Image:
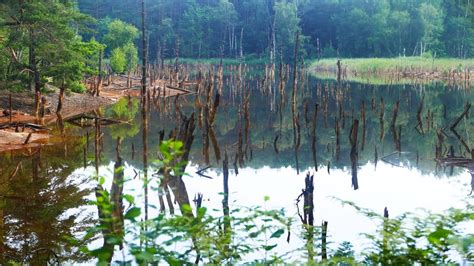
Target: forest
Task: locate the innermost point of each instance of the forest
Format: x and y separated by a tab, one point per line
62	40
329	28
260	132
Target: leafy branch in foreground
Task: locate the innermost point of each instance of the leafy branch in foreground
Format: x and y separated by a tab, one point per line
419	239
254	234
180	239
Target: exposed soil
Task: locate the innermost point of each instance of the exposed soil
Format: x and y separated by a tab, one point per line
11	140
74	104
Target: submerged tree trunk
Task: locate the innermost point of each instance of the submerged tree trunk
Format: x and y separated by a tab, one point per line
144	52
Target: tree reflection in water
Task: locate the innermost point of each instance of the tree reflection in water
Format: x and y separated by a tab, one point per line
40	205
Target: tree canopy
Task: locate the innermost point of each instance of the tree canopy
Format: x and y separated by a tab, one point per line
40	41
349	28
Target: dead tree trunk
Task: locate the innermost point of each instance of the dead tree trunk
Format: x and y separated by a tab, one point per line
60	99
339	71
395	114
225	203
354	153
144	55
99	82
324	233
313	135
35	71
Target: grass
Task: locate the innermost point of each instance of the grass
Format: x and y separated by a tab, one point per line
216	61
361	65
399	63
373	80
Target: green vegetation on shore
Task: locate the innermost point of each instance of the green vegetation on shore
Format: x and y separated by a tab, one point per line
215	61
363	65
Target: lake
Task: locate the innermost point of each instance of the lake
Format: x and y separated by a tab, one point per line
346	134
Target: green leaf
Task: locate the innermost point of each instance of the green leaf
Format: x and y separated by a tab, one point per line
132	213
201	212
267	248
186	208
249	226
277	233
172	261
129	198
254	234
144	256
266	198
114	240
440	233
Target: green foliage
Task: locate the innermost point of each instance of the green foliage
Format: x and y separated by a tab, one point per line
427	55
77	87
287	25
89	53
125	110
409	239
4	56
405	240
119	34
41	39
131	56
344	254
356	28
374	65
119	38
432	18
72	63
217	240
118	61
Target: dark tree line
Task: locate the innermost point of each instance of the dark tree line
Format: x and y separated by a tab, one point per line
263	28
59	42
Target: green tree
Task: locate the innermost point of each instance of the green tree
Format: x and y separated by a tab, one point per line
353	32
118	60
286	27
120	34
459	28
37	28
4	56
131	57
432	19
71	63
398	22
357	28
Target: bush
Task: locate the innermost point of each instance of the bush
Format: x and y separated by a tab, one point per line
118	60
329	52
427	55
77	87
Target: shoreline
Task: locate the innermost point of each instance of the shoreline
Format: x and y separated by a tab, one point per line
16	136
396	69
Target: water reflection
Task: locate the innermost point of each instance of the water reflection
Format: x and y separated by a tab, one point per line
385	149
111	209
41	205
262	140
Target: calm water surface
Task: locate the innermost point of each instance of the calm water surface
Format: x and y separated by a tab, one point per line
43	192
